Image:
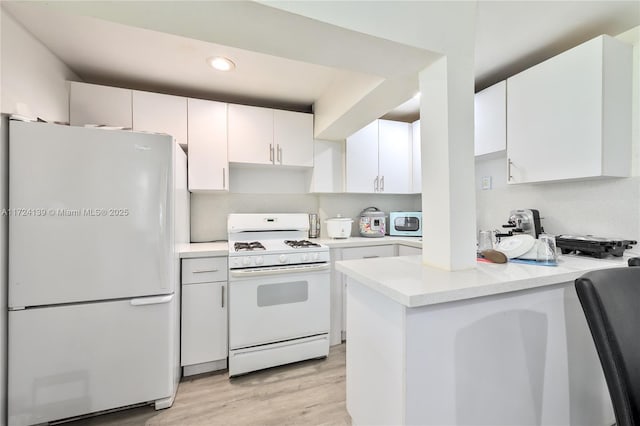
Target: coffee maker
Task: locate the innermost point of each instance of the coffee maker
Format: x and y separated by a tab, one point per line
526	221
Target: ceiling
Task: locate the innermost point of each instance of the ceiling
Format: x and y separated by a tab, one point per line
289	61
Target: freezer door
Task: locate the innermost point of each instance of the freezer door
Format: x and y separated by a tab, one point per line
76	359
91	214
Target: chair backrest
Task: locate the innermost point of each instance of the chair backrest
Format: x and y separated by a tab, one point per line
610	299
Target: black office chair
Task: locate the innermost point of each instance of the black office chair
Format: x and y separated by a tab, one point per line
610	299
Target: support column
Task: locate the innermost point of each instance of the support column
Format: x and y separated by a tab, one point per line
448	177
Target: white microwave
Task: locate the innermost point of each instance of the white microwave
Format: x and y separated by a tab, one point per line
405	223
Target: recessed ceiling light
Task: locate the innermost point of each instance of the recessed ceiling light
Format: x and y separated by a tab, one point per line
221	64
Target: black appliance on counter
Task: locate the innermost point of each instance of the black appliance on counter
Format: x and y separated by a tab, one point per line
593	246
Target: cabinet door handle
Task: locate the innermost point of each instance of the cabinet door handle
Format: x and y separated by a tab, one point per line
271	153
382	184
370	257
375	184
279	154
224	178
509	177
222	296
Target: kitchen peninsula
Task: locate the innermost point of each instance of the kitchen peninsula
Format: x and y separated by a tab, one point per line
496	344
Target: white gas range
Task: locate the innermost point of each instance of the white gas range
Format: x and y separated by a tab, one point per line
279	292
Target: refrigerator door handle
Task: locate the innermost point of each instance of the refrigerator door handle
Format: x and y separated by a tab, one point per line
152	300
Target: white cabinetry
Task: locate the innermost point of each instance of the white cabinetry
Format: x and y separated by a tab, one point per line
408	251
416	158
293	138
379	158
570	116
250	135
204	314
93	104
207	132
490	119
362	160
266	136
328	167
367	252
158	113
394	156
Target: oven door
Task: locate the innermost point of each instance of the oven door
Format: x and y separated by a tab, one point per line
274	304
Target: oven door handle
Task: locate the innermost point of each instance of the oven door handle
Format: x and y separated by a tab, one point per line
279	271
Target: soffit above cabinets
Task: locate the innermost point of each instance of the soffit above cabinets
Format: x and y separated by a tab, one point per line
287	60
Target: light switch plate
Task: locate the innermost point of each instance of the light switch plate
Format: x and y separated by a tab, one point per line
486	182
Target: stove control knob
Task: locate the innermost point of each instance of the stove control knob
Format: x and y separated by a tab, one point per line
259	260
283	258
246	261
314	256
304	257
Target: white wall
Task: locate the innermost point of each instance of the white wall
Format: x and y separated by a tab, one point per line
606	207
33	82
209	211
33	79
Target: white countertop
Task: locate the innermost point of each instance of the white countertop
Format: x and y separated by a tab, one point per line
407	281
364	241
221	248
216	249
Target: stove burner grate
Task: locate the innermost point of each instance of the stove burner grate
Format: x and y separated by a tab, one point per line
300	244
253	245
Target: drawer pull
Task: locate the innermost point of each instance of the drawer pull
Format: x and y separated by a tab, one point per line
202	271
369	257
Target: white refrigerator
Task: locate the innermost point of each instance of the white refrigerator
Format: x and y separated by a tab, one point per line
96	218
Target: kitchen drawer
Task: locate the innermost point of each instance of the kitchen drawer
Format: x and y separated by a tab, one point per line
204	269
368	252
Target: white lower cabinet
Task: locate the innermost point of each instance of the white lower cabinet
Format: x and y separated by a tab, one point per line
339	282
408	251
204	338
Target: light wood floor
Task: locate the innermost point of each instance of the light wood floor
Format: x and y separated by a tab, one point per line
306	393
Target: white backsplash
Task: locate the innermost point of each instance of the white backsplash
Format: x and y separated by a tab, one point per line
209	211
350	205
600	207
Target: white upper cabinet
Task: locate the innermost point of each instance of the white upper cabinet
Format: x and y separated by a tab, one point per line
394	156
250	135
328	170
570	116
266	136
159	113
379	158
207	130
93	104
362	160
416	158
490	122
293	137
